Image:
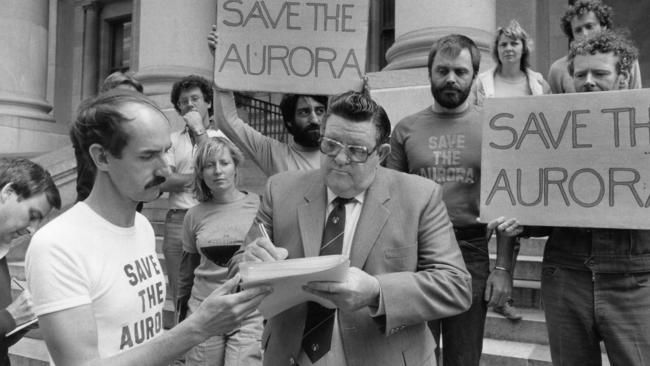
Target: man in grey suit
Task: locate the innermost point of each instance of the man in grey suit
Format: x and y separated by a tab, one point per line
405	265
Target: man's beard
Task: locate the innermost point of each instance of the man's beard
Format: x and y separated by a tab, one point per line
307	136
449	101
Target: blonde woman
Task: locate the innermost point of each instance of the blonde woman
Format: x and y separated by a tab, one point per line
512	75
212	232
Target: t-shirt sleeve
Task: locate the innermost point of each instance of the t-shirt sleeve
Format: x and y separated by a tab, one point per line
189	233
56	277
397	157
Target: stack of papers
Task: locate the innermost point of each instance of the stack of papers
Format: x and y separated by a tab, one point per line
287	277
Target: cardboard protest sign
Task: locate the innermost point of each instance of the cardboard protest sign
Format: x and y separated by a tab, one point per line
568	160
314	47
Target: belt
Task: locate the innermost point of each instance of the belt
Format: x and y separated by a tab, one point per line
473	232
178	210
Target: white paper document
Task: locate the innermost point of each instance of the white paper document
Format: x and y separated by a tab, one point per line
287	278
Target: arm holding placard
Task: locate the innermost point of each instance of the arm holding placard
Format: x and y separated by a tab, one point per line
499	283
251	141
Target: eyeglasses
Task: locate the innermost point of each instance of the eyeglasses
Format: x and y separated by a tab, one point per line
193	99
356	154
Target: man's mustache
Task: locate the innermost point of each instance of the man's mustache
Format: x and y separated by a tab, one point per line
451	87
313	127
155	181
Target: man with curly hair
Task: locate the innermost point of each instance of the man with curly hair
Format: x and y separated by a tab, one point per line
581	21
595	280
192	99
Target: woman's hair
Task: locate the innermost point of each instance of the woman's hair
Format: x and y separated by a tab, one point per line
514	31
204	155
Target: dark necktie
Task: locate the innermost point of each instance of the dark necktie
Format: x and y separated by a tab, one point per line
317	337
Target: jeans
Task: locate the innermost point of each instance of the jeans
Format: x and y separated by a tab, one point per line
173	249
462	335
583	308
242	347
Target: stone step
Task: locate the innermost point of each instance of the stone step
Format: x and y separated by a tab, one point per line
158	228
155	214
526	268
508	353
529	246
160	202
29	352
530	329
17	269
17	253
526	293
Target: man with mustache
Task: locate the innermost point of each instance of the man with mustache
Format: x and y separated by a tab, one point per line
302	116
192	99
443	143
96	282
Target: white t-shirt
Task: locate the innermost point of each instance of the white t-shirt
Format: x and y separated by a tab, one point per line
79	258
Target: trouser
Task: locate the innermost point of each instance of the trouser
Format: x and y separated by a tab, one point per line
583	309
241	347
173	248
462	335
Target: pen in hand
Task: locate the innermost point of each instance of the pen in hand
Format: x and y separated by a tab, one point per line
263	230
15	281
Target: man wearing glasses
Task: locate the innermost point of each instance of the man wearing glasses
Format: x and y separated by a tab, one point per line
443	143
405	267
192	99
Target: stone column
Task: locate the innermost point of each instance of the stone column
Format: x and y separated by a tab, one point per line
23	64
90	73
419	23
170	43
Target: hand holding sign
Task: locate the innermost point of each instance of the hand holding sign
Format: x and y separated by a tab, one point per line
313	48
578	159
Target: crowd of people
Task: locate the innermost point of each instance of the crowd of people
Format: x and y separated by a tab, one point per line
391	198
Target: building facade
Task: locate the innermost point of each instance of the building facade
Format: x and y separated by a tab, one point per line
56	52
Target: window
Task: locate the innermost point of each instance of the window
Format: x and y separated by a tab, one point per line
381	30
120	45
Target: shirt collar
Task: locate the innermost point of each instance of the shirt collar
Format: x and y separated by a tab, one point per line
331	197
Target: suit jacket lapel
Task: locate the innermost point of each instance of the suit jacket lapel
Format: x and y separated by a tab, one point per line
373	217
311	216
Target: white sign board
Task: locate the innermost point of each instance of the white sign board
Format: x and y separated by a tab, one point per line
313	47
568	160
